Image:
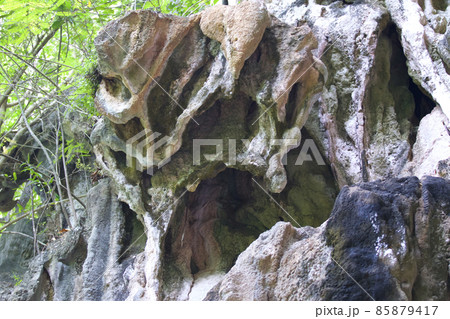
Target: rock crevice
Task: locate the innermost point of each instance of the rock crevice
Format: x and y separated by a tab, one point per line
223	130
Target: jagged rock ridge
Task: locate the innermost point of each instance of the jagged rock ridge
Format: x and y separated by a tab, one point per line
369	91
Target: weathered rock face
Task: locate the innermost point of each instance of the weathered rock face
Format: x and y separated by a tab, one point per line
91	261
239	30
378	232
383	72
17	250
224	129
431	154
197	82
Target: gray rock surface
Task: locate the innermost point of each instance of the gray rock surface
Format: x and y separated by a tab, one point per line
431	151
88	262
377	244
366	83
16	252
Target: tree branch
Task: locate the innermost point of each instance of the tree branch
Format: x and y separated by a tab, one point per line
40	43
22	234
29	212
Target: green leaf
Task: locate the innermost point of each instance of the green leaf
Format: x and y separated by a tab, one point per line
57	24
9	6
58	4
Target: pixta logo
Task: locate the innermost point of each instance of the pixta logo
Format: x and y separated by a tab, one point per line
143	147
308	148
142	151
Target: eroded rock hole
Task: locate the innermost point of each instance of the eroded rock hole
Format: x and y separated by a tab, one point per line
167	100
393	108
129	129
116	88
411	101
210	230
253	113
423	104
311	189
292	103
212	227
228	212
133	240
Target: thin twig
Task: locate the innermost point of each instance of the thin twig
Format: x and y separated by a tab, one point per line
63	155
55	174
39	45
29	212
25	235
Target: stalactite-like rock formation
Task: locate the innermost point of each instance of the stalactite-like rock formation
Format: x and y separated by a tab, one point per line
229	136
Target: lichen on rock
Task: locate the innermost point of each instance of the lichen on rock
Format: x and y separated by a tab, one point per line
262	151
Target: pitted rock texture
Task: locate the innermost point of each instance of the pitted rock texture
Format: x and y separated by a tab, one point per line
239	29
387	67
378	232
336	73
88	262
194	87
191	75
354	91
16	252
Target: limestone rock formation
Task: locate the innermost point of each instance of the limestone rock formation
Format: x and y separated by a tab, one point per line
228	137
239	29
17	250
431	154
379	232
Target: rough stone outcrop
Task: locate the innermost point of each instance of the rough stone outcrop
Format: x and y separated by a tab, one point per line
198	88
16	252
206	78
340	74
300	101
386	75
384	240
239	29
426	45
431	152
90	261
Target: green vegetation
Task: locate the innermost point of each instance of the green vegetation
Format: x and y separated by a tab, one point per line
48	68
17	280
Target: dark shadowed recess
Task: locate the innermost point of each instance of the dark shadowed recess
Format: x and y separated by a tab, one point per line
134	238
228	212
399	77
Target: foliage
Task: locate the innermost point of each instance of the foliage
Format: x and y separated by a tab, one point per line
17	279
47	65
177	7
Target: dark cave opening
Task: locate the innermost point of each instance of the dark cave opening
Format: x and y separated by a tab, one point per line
292	103
117	88
227	212
423	103
411	102
423	106
311	188
209	231
252	113
132	240
399	79
129	129
210	228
